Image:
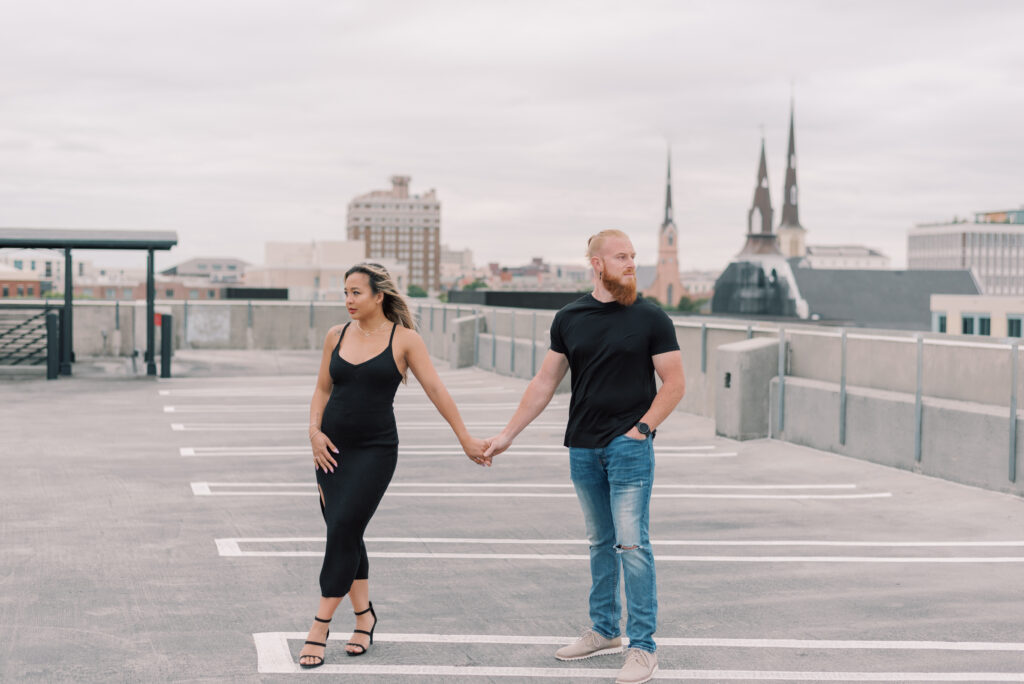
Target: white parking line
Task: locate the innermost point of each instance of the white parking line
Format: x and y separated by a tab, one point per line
276	408
272	427
231	547
670	452
205	489
273	656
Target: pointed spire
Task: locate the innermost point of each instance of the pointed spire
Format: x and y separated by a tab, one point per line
790	210
668	193
762	199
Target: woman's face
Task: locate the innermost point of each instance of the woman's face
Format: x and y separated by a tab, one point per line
360	300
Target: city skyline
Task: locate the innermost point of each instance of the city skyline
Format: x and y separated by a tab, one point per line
538	124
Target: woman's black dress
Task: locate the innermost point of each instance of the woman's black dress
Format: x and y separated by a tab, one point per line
359	419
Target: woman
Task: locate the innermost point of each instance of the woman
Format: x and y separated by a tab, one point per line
355	441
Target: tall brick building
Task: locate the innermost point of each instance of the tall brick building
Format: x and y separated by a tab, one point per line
400	226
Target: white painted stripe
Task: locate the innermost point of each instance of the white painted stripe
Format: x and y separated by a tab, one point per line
274	408
274	657
701	642
528	485
203	489
554	495
270	427
655	542
187	451
942	560
443	449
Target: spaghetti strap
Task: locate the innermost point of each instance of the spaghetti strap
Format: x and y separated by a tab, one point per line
342	335
392	338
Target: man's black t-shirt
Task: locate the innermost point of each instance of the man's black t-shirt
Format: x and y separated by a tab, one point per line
609	347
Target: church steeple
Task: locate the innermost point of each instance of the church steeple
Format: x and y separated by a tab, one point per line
760	238
762	199
668	194
790	212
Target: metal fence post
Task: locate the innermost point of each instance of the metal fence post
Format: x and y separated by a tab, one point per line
533	347
512	344
842	390
918	408
311	323
494	340
703	347
166	344
750	332
117	314
782	379
476	337
52	345
1014	349
250	314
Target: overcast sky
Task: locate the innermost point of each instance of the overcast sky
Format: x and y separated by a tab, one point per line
539	123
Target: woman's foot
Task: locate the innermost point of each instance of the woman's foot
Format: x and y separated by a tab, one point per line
312	654
360	642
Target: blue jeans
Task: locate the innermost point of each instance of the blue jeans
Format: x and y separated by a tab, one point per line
613	484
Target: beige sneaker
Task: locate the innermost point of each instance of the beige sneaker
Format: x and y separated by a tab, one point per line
589	645
639	668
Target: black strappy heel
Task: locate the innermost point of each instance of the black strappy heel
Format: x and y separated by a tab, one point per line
309	666
363	631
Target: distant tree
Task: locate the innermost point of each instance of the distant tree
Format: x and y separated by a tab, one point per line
690	305
475	285
416	291
654	300
443	297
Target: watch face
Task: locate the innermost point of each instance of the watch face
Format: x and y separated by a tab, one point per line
643	428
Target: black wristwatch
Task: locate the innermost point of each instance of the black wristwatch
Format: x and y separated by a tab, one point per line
643	428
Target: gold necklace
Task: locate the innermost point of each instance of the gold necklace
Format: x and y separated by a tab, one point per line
372	332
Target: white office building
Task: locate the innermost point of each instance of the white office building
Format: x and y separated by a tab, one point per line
992	245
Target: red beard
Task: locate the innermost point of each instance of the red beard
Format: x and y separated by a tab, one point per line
623	292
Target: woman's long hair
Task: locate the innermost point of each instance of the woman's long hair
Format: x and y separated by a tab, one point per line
395	308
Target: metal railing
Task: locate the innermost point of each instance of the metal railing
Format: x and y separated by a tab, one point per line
26	337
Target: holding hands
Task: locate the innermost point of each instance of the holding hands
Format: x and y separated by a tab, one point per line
475	449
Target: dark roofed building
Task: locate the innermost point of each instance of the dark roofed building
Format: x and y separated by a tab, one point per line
875	298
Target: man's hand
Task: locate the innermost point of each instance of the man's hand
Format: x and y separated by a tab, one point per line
496	445
636	434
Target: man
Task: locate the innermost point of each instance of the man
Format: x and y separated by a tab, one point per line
613	343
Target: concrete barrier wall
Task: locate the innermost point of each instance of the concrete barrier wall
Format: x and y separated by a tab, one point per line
961	441
965	380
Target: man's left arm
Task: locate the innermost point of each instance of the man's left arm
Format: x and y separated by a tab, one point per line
669	367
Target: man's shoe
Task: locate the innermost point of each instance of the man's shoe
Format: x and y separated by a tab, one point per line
589	645
639	668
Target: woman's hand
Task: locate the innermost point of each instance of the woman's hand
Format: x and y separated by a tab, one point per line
475	449
322	448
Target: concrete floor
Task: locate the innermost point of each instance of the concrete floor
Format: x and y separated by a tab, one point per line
168	530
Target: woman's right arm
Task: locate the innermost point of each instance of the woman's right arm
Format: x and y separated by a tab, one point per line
322	446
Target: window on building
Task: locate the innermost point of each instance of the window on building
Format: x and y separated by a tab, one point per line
128	293
938	322
18	263
111	293
81	269
169	293
1013	326
31	290
967	325
7	292
211	294
33	266
48	269
984	325
86	292
193	294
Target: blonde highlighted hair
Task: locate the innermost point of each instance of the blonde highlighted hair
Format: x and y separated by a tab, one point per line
595	242
395	308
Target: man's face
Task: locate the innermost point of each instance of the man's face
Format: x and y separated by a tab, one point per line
618	269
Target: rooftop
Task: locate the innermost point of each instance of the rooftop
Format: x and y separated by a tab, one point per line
174	534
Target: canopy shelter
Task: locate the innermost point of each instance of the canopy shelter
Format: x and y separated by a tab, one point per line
65	239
